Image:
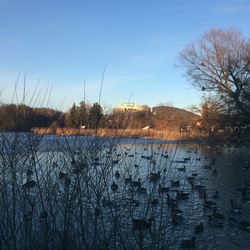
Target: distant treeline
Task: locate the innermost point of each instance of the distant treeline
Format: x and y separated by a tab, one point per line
162	117
23	118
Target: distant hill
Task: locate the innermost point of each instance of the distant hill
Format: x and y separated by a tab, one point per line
165	116
170	111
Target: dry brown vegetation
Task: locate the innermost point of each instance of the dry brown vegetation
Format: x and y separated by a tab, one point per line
130	133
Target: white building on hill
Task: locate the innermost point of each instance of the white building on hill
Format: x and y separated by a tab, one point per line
131	107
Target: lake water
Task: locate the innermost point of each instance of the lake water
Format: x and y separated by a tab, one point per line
111	193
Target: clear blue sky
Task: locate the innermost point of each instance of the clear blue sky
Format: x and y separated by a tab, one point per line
63	43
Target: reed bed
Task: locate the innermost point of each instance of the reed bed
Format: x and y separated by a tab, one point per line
165	134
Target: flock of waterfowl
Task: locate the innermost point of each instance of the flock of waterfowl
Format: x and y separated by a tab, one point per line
156	189
171	184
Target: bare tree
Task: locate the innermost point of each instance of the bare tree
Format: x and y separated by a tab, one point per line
219	65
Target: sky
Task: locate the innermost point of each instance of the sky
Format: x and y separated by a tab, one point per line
58	47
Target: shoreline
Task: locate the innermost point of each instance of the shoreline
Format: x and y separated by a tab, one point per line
153	134
170	135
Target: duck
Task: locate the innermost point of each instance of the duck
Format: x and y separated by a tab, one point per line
155	176
176	218
54	164
246	199
114	187
199	228
245	225
29	184
76	170
187	159
28	216
188	244
139	224
233	222
191	179
73	162
209	204
67	181
117	174
175	210
217	215
154	201
43	216
175	183
235	211
62	175
162	189
203	194
213	161
107	203
216	195
97	211
171	201
215	222
136	183
29	172
207	167
141	190
197	187
135	203
182	169
182	195
96	159
234	208
114	162
153	161
128	179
